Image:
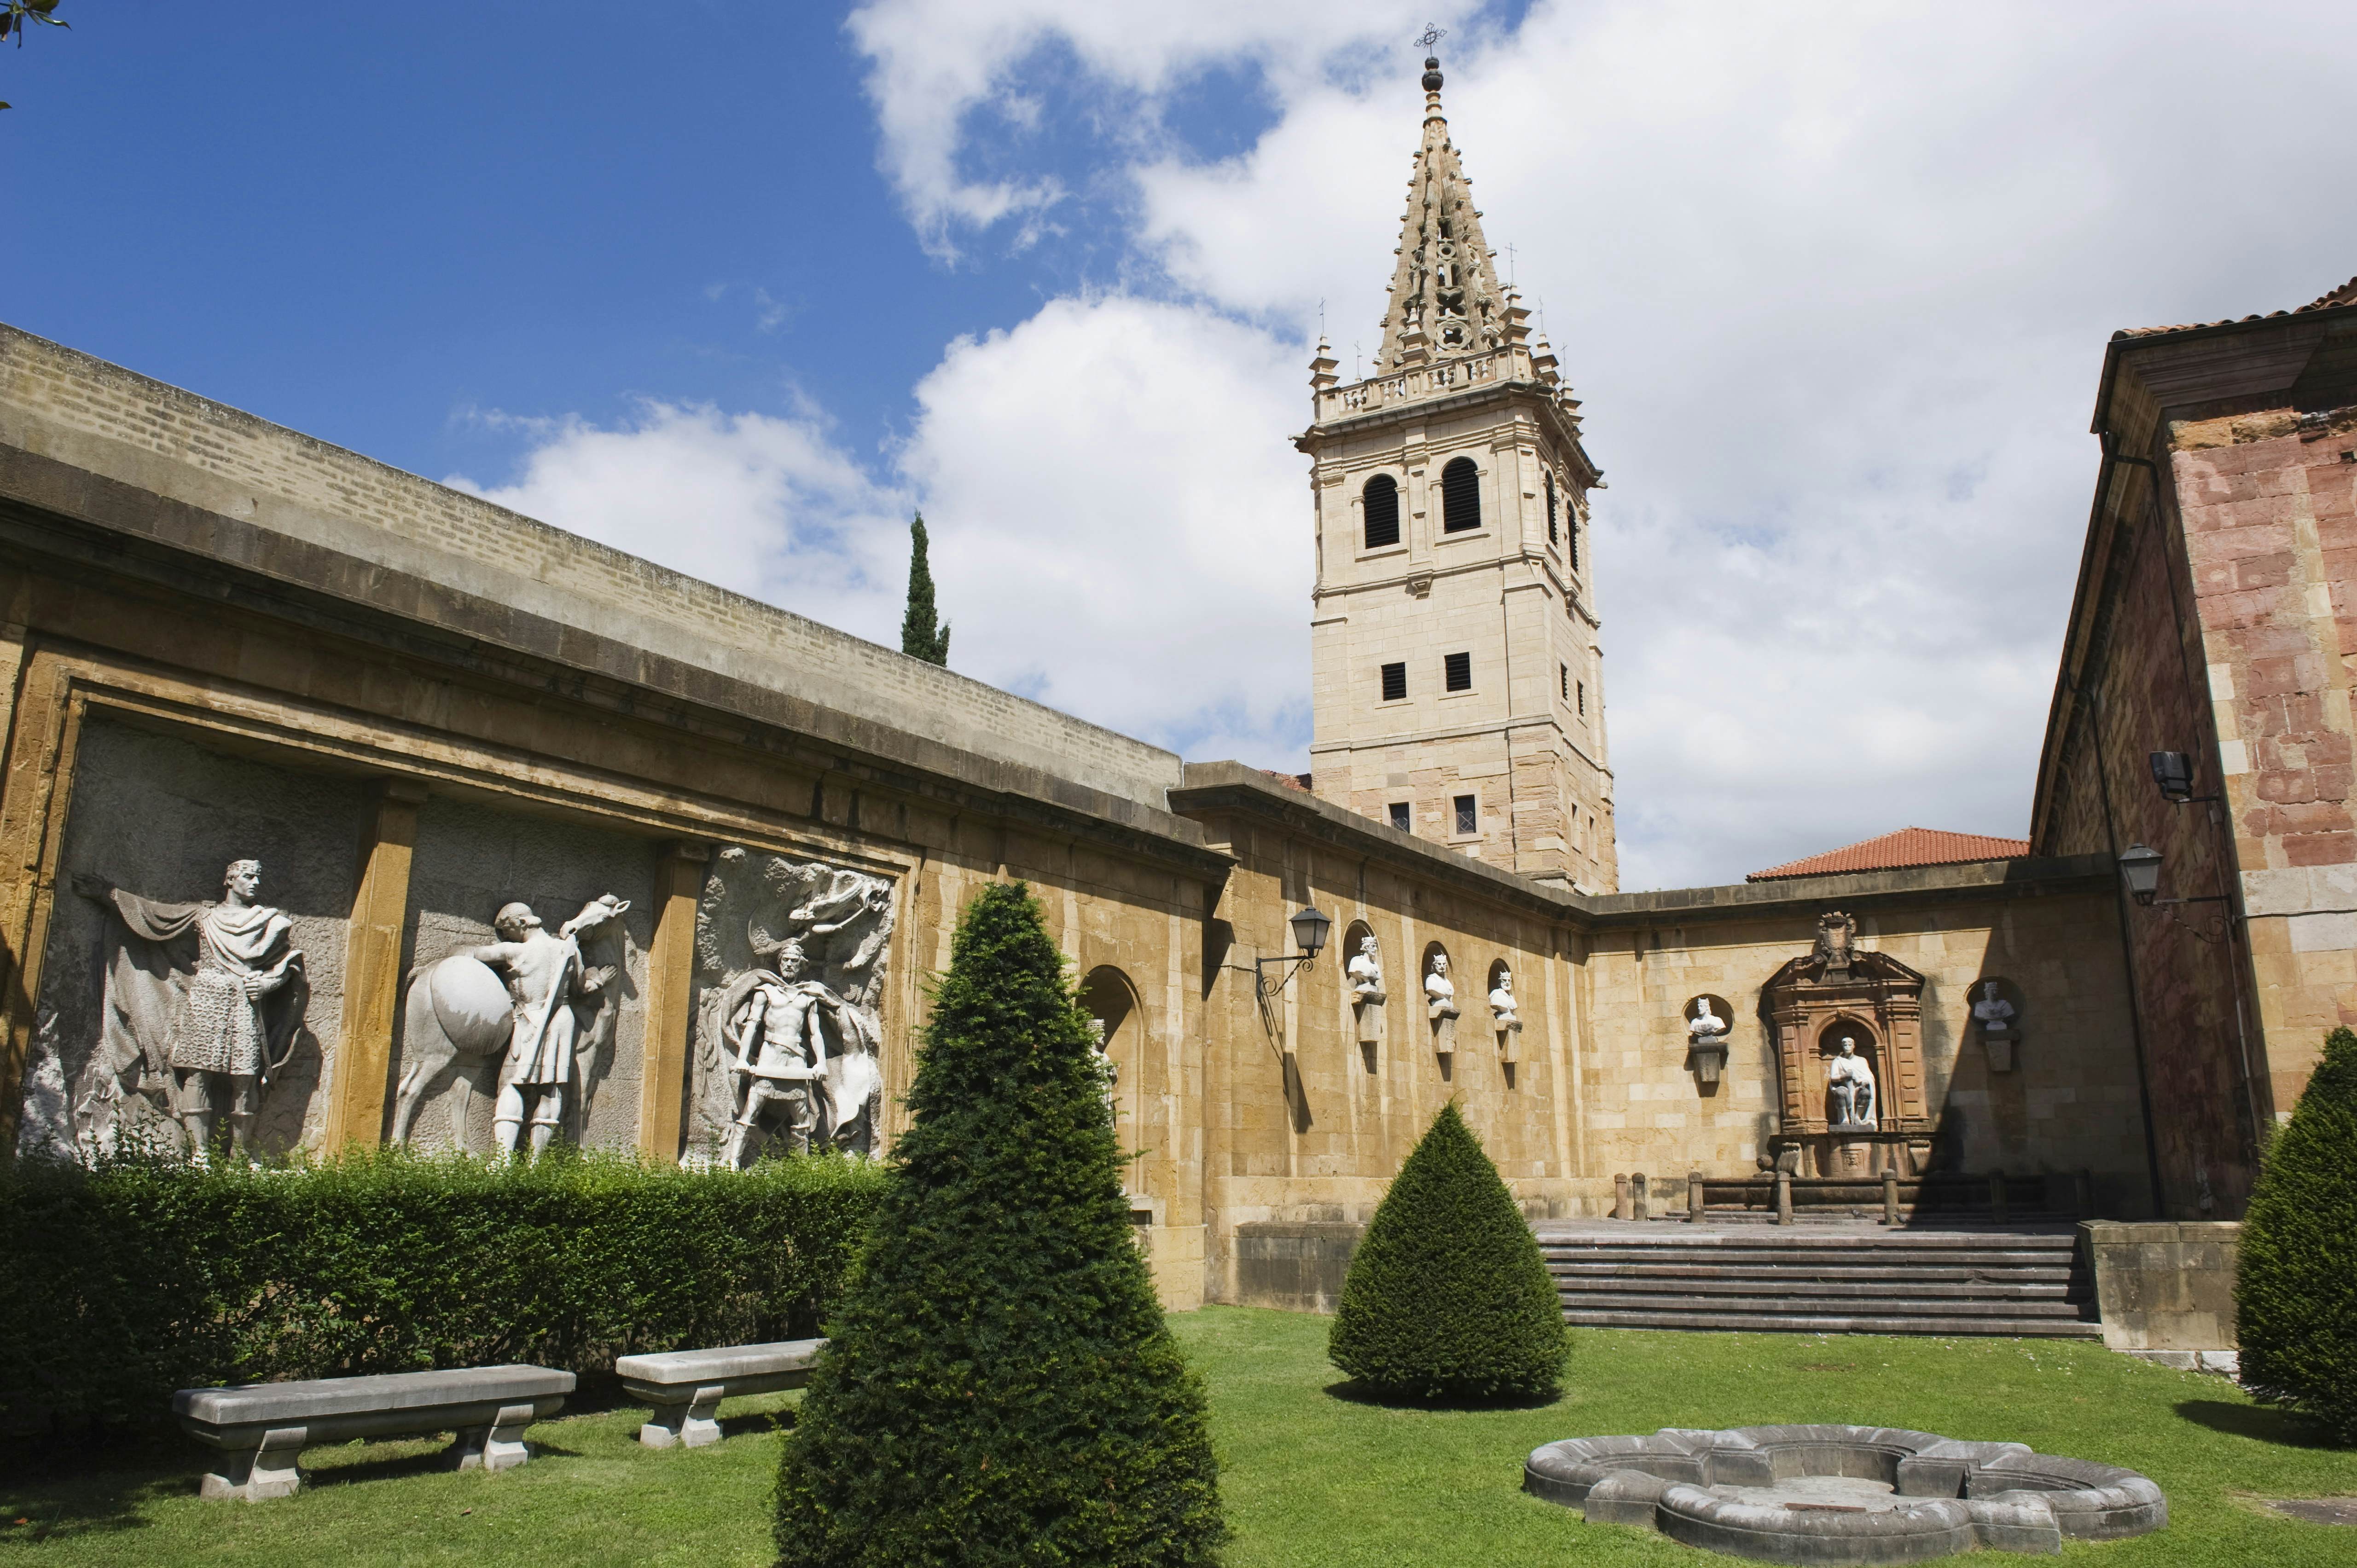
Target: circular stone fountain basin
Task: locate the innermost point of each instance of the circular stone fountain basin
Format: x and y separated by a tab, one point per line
1843	1494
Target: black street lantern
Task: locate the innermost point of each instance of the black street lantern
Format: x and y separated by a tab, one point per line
1309	929
2140	869
2172	772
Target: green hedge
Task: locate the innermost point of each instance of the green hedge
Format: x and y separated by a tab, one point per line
124	1281
1001	1390
2295	1284
1448	1297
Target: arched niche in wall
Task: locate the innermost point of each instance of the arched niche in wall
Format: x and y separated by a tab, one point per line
1110	998
1440	988
1363	1009
1504	1023
1998	1007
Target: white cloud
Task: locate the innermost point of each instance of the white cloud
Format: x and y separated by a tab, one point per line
1110	497
1117	518
1835	284
1837	291
947	78
770	507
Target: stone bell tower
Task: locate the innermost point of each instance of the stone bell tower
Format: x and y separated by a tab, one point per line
1456	654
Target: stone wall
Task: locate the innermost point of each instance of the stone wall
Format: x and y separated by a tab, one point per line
312	500
2165	1286
2213	617
2067	1103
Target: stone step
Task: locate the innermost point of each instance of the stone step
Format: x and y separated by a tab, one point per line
1910	1275
1806	1306
1815	1289
1806	1262
1737	1322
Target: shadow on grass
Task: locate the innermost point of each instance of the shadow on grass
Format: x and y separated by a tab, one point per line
1352	1391
67	1510
778	1419
2264	1424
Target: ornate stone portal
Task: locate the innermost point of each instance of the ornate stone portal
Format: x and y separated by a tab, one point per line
790	957
1849	1059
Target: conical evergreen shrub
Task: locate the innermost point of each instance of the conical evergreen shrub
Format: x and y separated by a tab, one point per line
2295	1288
1447	1297
1001	1386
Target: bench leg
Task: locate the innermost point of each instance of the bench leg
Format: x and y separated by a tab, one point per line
693	1424
495	1448
264	1471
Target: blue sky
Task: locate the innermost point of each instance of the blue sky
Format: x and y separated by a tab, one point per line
736	285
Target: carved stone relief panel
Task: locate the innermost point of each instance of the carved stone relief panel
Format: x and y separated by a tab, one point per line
790	960
149	947
457	1020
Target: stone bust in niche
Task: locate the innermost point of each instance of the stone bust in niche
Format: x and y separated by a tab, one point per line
1849	1084
1503	1006
1998	1032
1440	1003
1706	1027
1366	974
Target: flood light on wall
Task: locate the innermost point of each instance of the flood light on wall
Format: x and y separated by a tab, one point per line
2172	774
1310	927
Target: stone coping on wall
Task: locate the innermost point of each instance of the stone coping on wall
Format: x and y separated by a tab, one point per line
141	458
1214	787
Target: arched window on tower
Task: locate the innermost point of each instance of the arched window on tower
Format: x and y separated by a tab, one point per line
1460	496
1381	501
1571	541
1553	537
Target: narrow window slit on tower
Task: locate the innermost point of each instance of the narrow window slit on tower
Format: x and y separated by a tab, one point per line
1552	537
1460	496
1394	683
1459	668
1380	500
1582	699
1562	674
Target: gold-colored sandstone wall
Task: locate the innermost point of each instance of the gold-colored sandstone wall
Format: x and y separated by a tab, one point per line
221	638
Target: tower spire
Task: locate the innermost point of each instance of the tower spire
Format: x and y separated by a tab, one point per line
1444	297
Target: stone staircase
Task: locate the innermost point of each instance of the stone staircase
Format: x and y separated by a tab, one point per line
1821	1278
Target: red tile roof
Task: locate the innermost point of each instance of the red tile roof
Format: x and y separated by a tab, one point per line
2345	294
1290	780
1907	846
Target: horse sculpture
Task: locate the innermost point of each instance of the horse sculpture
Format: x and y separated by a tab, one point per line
459	1018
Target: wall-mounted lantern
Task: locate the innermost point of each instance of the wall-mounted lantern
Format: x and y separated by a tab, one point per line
1309	929
2140	870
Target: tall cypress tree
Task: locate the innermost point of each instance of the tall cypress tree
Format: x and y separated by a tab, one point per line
2295	1279
1448	1296
922	634
1000	1387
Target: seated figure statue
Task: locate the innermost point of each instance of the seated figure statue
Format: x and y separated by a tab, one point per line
1851	1083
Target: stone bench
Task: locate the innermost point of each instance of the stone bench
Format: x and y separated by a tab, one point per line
685	1387
261	1428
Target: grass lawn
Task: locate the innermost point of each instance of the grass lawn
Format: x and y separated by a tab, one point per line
1309	1477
